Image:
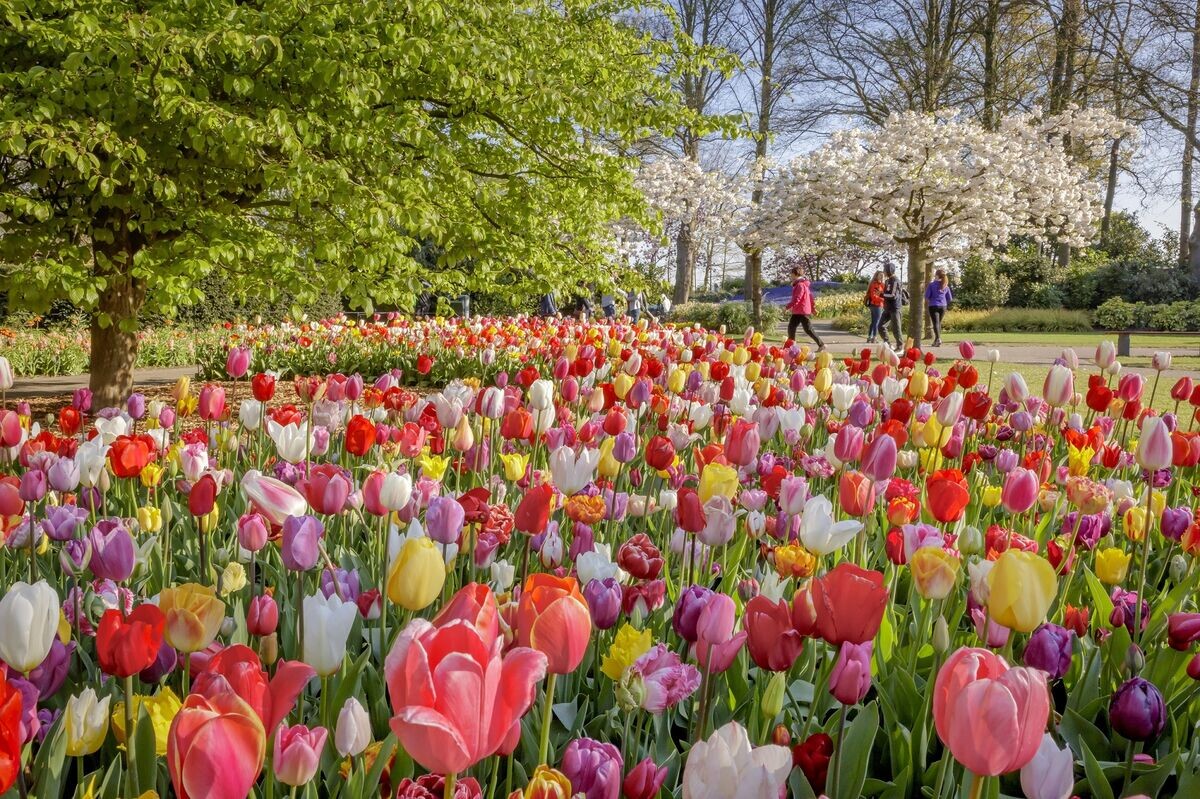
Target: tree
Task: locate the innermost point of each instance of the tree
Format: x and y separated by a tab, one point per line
940	186
144	146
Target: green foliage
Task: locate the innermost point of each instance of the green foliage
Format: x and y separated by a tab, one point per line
1005	320
62	349
1117	314
1043	295
980	284
829	305
315	152
734	316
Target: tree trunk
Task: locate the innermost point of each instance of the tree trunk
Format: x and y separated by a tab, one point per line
1110	191
917	263
991	23
1189	152
113	350
754	285
685	261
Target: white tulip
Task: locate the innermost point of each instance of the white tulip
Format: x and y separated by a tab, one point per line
353	732
327	622
28	623
726	767
819	532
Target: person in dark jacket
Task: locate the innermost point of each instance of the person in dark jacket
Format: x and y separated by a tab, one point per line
937	298
892	302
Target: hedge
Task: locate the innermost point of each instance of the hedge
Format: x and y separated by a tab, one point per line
1117	314
1006	320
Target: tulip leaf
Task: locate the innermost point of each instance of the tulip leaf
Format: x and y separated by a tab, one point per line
110	788
370	786
886	641
1168	604
567	713
801	787
855	757
144	750
348	684
897	788
50	764
1102	606
1151	781
1087	686
1096	782
1081	734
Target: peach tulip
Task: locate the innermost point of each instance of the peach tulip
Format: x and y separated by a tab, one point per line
553	618
215	747
991	716
455	698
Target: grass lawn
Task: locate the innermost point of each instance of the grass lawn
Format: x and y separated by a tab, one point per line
1178	343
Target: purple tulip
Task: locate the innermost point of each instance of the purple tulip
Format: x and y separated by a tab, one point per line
75	556
136	405
604	601
615	506
1175	522
879	459
63	474
81	400
1050	649
166	417
49	676
342	582
1137	711
444	520
1006	461
861	414
62	521
594	768
46	719
851	676
163	664
33	485
690	604
30	723
624	447
112	551
301	542
1125	609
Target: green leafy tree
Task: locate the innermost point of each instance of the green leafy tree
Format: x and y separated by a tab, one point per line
312	148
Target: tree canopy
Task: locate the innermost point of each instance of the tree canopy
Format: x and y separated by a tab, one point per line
313	145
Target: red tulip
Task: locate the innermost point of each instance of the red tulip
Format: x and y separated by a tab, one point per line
742	443
812	757
11	503
238	668
640	557
203	496
360	435
773	642
263	386
517	425
553	618
126	645
856	492
976	405
689	513
215	748
69	420
946	495
128	455
660	453
849	602
533	512
10	734
424	364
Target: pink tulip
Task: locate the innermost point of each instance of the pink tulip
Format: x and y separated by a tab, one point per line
1020	490
297	753
990	716
274	499
849	444
215	747
1154	449
1051	773
211	405
879	459
716	644
455	698
327	489
966	350
10	428
237	362
1059	387
851	676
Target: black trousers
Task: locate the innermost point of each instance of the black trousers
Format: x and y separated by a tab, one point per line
801	320
935	316
891	319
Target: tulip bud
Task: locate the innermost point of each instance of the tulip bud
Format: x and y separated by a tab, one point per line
1178	568
780	735
941	636
772	701
268	649
353	732
1135	659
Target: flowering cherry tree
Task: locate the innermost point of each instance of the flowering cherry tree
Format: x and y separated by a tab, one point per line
941	186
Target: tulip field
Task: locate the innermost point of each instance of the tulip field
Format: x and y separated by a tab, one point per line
546	559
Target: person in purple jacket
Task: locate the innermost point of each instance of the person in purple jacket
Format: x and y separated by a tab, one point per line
937	299
801	306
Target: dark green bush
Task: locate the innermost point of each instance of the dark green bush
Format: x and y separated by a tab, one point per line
980	285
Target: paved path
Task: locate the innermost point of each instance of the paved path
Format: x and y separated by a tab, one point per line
62	384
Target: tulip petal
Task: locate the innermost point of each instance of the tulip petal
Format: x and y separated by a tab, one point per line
290	678
431	739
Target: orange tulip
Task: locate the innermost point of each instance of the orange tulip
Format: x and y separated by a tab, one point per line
553	618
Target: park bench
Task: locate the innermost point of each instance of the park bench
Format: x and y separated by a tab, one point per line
1124	336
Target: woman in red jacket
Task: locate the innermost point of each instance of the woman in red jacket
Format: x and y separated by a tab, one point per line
801	307
874	303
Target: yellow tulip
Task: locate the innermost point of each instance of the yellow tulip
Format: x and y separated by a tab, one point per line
741	356
609	466
151	475
931	458
725	356
1021	587
149	518
918	384
935	434
547	783
793	560
628	645
934	571
1112	564
753	371
417	574
1079	460
676	380
1136	523
991	496
756	340
233	578
621	385
717	479
161	708
823	381
824	359
193	616
514	465
433	466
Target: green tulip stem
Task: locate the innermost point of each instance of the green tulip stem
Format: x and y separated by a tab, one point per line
1141	594
451	779
976	786
130	775
836	769
547	716
1128	767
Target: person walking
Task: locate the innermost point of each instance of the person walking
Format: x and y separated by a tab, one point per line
608	305
801	306
633	302
893	300
548	307
938	298
874	303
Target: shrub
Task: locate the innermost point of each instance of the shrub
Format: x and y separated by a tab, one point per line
981	285
1043	295
1115	314
735	316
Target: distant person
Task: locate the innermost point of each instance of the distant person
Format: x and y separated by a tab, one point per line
583	307
633	302
801	306
893	300
938	298
608	305
874	303
548	307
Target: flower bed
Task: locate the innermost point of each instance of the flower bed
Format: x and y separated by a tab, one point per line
602	560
